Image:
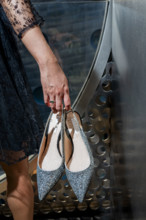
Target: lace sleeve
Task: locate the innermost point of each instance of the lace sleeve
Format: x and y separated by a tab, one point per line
22	15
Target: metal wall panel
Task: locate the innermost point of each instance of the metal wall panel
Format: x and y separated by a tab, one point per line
129	108
120	149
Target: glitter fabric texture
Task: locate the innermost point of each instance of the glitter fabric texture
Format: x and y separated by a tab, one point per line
79	181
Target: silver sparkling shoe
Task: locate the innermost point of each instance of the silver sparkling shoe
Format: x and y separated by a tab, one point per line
50	163
79	162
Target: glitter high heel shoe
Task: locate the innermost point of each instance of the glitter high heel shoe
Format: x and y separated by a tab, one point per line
79	162
50	164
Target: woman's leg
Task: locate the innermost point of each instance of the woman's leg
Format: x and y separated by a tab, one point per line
20	196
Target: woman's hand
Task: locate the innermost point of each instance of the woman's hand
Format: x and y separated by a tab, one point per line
55	86
53	79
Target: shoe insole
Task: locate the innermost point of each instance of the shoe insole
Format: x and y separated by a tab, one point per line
52	160
80	159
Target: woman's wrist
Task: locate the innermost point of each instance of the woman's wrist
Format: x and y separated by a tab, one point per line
45	60
38	47
49	68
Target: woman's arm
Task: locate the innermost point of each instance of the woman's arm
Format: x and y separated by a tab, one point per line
53	79
25	21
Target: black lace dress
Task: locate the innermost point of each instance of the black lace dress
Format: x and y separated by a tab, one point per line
21	127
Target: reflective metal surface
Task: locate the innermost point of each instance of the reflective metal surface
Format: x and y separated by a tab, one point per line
98	65
112	104
129	108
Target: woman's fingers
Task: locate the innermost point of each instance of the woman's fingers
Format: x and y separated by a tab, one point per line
54	98
51	97
52	102
67	101
45	97
59	98
55	87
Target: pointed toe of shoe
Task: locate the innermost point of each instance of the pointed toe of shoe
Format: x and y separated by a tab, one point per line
79	181
47	179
